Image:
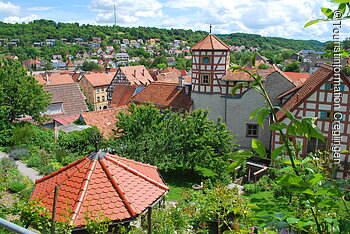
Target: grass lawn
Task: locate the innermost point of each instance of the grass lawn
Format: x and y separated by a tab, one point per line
267	205
181	179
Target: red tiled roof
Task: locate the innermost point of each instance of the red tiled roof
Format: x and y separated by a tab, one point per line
182	72
100	184
69	63
99	79
122	94
54	79
66	119
164	95
297	78
210	42
172	77
104	120
322	74
244	76
137	75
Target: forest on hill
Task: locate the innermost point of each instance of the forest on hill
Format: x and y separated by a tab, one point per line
40	30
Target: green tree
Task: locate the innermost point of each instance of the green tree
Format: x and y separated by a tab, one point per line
292	67
20	94
170	140
88	66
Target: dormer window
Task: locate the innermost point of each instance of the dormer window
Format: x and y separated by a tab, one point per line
206	60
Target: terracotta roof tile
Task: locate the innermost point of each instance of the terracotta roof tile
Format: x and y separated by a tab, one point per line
243	76
66	119
101	183
210	42
104	120
99	78
297	78
164	95
54	79
122	94
137	75
173	77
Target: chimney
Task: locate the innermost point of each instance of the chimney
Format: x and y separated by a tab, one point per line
47	78
107	69
181	82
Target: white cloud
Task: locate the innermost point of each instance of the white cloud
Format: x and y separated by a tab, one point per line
15	19
47	8
267	17
128	11
7	8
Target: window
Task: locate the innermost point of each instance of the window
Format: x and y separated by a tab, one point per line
98	99
315	144
326	115
328	86
103	98
98	90
205	79
206	60
102	89
252	130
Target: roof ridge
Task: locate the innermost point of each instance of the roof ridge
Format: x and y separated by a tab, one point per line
60	170
82	192
132	161
118	188
126	167
62	181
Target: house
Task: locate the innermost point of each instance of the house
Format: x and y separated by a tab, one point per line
325	96
166	95
104	120
50	42
122	56
70	66
126	41
57	57
94	85
37	44
129	76
96	39
67	100
32	64
212	83
53	79
101	185
171	61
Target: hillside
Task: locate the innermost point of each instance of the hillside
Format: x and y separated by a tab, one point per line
39	30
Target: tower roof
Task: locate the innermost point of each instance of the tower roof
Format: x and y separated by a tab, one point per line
100	184
210	42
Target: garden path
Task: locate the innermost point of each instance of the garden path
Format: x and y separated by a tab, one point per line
23	169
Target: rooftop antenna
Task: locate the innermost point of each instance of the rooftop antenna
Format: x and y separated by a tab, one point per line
210	29
115	17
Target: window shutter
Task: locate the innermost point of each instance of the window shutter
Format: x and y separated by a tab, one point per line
342	87
323	115
327	86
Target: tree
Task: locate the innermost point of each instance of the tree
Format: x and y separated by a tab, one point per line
170	140
292	67
20	94
88	66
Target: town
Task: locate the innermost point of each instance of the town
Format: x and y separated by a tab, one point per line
122	133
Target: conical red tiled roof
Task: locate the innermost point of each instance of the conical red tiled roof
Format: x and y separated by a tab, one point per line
210	42
100	184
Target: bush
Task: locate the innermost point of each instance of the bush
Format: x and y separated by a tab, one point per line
19	153
17	186
250	189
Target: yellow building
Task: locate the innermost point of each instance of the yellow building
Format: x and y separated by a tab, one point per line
94	85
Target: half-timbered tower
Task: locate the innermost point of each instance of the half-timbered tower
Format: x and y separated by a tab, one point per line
212	83
325	95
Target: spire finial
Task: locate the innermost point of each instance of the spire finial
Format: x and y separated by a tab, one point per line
210	29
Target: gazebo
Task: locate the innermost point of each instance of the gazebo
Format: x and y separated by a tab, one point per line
100	184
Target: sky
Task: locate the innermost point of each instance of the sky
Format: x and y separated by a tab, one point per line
277	18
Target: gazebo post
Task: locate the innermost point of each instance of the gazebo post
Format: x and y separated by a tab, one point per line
149	220
53	226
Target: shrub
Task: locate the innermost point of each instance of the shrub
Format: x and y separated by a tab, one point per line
19	153
250	189
17	186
